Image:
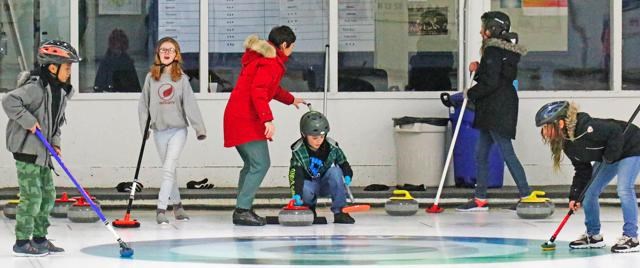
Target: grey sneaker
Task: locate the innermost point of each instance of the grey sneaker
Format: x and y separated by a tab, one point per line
28	250
179	213
161	218
588	241
48	246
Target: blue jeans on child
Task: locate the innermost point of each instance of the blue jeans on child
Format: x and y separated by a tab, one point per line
485	141
627	172
330	184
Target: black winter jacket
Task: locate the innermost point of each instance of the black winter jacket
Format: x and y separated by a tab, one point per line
598	140
494	96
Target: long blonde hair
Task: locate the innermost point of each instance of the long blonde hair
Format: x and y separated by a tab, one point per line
176	66
556	143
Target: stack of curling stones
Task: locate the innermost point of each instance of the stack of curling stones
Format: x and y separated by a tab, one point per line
82	212
292	215
401	204
62	206
535	206
11	208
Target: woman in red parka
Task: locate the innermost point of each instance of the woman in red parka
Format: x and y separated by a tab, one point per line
248	121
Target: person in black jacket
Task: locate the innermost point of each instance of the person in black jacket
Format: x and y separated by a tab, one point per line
616	152
117	72
496	103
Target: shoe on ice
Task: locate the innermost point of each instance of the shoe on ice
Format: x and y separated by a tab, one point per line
47	245
179	213
343	218
588	241
474	204
626	244
161	217
247	217
28	250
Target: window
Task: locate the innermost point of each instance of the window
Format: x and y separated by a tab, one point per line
568	43
630	44
387	45
18	43
231	21
118	38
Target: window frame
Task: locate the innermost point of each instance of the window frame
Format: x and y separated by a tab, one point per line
468	44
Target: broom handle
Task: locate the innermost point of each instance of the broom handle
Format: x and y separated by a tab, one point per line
451	147
450	153
145	135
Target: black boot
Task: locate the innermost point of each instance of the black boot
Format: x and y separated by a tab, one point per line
344	218
247	217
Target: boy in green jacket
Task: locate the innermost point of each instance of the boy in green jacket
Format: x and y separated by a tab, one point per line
318	166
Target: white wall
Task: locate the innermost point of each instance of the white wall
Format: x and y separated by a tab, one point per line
101	142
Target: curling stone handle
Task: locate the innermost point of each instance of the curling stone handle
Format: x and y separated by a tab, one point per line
405	193
537	194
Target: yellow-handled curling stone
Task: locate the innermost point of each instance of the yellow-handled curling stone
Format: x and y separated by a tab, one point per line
401	204
535	206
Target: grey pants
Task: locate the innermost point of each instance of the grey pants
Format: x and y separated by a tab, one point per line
255	156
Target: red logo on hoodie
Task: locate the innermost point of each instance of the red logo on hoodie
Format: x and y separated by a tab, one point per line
165	92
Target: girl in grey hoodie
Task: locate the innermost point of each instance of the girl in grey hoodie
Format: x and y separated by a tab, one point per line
168	99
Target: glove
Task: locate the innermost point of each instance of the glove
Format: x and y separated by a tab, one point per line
347	180
297	200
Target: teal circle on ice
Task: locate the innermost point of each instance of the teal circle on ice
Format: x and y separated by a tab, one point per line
345	250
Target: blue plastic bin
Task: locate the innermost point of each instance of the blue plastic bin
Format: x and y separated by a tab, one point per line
464	162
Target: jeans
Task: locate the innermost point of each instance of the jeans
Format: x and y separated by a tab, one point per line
627	171
485	140
169	143
255	156
330	184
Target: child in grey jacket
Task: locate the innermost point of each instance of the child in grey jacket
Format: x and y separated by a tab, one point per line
38	104
168	99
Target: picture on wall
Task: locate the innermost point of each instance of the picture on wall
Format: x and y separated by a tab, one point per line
120	7
428	21
510	3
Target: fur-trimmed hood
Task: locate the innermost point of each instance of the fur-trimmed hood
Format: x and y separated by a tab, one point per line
499	43
256	48
262	47
572	120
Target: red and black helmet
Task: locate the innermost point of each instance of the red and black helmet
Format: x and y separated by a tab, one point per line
57	52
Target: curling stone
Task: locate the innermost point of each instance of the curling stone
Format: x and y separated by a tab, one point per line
535	207
401	204
82	212
62	206
292	215
11	208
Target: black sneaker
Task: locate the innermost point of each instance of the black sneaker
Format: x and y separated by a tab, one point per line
28	250
343	218
247	218
48	246
587	241
626	244
474	205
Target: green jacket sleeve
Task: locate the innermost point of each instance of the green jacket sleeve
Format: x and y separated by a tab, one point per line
296	177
